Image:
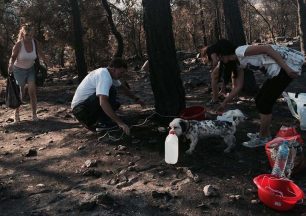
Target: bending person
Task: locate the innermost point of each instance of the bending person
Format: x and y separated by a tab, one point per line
226	72
280	64
94	102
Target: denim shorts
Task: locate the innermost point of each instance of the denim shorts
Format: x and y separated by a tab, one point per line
24	76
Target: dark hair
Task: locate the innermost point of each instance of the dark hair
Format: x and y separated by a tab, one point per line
210	50
225	47
227	70
221	48
201	46
118	63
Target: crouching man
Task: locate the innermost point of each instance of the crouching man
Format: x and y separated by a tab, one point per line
94	102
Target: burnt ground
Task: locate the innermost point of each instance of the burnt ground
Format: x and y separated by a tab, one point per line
128	176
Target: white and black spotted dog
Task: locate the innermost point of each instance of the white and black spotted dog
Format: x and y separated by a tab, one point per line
224	126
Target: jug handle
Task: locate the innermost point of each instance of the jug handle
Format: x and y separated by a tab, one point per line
288	100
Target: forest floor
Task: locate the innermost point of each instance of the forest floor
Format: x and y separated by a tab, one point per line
56	167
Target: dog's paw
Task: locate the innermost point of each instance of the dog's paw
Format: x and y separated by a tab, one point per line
189	152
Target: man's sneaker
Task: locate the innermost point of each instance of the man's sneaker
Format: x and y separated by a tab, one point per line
257	142
104	127
252	135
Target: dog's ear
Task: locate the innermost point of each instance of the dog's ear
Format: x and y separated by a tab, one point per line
183	125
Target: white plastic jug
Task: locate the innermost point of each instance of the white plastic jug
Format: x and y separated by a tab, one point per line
300	101
171	148
303	117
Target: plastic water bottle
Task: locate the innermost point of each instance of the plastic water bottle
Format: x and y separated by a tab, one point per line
291	158
281	160
171	148
303	117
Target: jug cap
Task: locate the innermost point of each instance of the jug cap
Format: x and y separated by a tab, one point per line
172	132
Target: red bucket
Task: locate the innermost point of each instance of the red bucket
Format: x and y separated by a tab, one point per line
276	193
287	132
193	113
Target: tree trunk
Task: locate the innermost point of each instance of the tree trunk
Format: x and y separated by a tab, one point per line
233	22
62	57
134	41
203	23
78	41
3	65
302	24
250	26
165	78
217	27
235	33
120	48
139	41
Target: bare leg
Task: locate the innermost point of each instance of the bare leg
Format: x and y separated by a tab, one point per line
265	122
214	83
193	144
230	141
33	99
234	82
17	117
22	92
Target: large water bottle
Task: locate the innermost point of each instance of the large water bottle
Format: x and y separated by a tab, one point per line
171	148
281	160
303	117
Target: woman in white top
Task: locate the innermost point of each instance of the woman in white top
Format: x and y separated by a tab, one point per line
280	64
21	64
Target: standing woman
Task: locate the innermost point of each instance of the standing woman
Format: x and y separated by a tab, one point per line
22	65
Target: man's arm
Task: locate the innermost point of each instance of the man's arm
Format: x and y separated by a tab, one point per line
14	55
214	82
238	86
214	59
105	105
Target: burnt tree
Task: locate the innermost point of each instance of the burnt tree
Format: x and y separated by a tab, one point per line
3	64
116	33
169	94
233	22
235	33
78	40
203	23
302	23
217	26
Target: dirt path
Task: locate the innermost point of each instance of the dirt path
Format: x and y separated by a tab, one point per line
56	167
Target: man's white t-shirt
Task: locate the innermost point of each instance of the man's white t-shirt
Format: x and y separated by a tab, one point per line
98	81
293	58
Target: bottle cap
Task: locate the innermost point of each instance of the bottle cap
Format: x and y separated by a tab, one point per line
172	132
